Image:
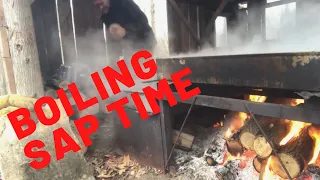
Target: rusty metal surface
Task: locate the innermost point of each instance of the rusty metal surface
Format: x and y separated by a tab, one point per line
304	114
291	71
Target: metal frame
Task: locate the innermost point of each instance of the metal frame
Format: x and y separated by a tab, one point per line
289	71
305	114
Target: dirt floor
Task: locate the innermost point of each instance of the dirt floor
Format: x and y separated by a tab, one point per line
103	149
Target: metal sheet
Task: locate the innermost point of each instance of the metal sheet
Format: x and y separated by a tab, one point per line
144	139
305	114
290	71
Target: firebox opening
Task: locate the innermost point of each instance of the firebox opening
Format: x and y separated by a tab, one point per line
222	144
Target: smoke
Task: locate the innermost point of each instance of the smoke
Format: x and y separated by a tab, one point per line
92	57
288	29
91	50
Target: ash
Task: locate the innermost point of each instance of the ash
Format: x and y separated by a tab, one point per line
210	143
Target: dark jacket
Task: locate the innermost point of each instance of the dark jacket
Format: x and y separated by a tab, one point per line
128	14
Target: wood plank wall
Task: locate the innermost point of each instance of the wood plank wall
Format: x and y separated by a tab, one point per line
180	40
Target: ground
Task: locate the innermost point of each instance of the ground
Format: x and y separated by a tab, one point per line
103	145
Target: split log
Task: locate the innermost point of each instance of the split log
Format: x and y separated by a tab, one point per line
185	140
250	130
258	163
275	134
295	155
233	144
234	148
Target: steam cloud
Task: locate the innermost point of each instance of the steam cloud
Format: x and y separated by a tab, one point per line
298	33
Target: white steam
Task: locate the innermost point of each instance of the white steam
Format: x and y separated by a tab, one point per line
299	31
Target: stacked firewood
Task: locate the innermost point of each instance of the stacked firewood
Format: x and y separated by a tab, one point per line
295	154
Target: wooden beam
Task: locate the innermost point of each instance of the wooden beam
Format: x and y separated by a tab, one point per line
212	21
276	3
5	55
184	20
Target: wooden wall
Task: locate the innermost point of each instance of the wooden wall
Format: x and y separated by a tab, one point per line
199	16
179	37
86	17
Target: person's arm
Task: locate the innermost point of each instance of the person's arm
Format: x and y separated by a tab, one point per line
138	20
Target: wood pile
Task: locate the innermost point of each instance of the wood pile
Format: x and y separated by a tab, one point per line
295	154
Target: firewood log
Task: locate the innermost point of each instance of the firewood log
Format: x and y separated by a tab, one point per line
295	155
257	163
250	130
263	168
233	145
275	134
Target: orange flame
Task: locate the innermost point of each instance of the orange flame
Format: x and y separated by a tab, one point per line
241	117
256	98
315	134
296	102
296	127
228	157
216	125
267	172
237	123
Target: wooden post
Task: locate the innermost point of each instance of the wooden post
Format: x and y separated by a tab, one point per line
23	48
211	24
184	20
256	15
6	74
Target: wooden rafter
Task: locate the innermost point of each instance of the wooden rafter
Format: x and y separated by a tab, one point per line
184	20
212	21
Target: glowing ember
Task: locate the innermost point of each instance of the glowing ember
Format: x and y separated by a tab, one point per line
216	125
229	157
296	127
249	154
315	134
256	98
267	172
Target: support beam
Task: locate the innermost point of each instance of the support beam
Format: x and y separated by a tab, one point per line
184	20
256	15
276	3
212	21
264	109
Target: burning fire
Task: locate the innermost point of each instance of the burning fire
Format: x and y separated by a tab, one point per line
315	134
228	157
242	117
218	124
255	98
267	172
296	127
297	102
236	124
